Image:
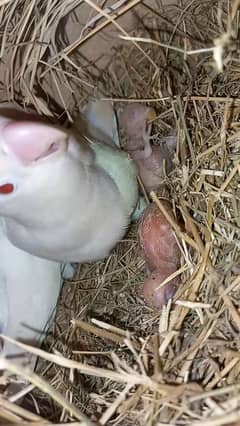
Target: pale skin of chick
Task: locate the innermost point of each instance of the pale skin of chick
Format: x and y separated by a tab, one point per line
161	253
156	237
136	120
153	293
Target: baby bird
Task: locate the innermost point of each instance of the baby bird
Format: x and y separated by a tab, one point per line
161	253
135	120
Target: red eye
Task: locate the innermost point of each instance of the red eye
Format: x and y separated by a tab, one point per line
7	188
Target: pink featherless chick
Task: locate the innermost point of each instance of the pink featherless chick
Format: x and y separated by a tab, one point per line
135	120
162	255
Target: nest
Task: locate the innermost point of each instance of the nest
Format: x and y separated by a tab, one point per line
108	358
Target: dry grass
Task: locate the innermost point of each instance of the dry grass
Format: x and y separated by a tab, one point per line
110	356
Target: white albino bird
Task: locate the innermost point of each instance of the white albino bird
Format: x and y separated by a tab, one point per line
61	198
64	197
29	290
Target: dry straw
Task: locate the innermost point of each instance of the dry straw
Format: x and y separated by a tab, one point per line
109	359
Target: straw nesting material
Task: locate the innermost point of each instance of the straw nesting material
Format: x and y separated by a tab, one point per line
111	359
